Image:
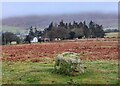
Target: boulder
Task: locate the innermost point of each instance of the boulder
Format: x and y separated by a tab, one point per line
68	63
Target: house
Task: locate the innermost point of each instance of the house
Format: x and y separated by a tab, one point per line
13	42
34	40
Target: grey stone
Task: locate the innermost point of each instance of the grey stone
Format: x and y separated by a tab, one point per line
68	63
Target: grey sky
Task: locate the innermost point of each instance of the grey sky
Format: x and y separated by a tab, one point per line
12	9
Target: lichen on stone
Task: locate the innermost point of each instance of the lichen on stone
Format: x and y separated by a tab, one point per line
68	63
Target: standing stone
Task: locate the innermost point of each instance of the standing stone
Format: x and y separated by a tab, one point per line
68	63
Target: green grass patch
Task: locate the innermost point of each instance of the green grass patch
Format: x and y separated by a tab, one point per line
13	29
112	34
97	72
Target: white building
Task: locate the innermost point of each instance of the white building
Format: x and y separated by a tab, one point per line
34	40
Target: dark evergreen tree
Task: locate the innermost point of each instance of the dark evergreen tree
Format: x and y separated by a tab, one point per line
31	33
86	31
40	33
50	26
91	24
62	24
96	30
36	33
99	31
36	30
28	39
66	25
75	24
80	25
84	23
70	26
92	29
72	35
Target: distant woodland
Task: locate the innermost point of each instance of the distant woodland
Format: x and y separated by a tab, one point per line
59	30
69	30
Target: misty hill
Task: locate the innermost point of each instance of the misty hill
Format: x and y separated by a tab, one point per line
107	20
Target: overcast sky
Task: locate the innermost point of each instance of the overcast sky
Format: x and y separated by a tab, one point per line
12	9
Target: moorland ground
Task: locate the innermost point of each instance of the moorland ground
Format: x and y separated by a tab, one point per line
33	63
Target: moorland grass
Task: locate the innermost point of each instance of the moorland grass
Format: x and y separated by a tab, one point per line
27	72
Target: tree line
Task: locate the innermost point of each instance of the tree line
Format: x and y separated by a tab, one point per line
74	30
69	30
61	30
8	37
111	30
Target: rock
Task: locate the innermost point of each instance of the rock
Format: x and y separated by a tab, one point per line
68	63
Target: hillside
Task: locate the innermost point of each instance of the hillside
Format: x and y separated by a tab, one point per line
41	22
13	29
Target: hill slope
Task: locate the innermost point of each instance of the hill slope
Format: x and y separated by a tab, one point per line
107	20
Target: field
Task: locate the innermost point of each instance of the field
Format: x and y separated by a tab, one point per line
112	34
33	63
13	29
